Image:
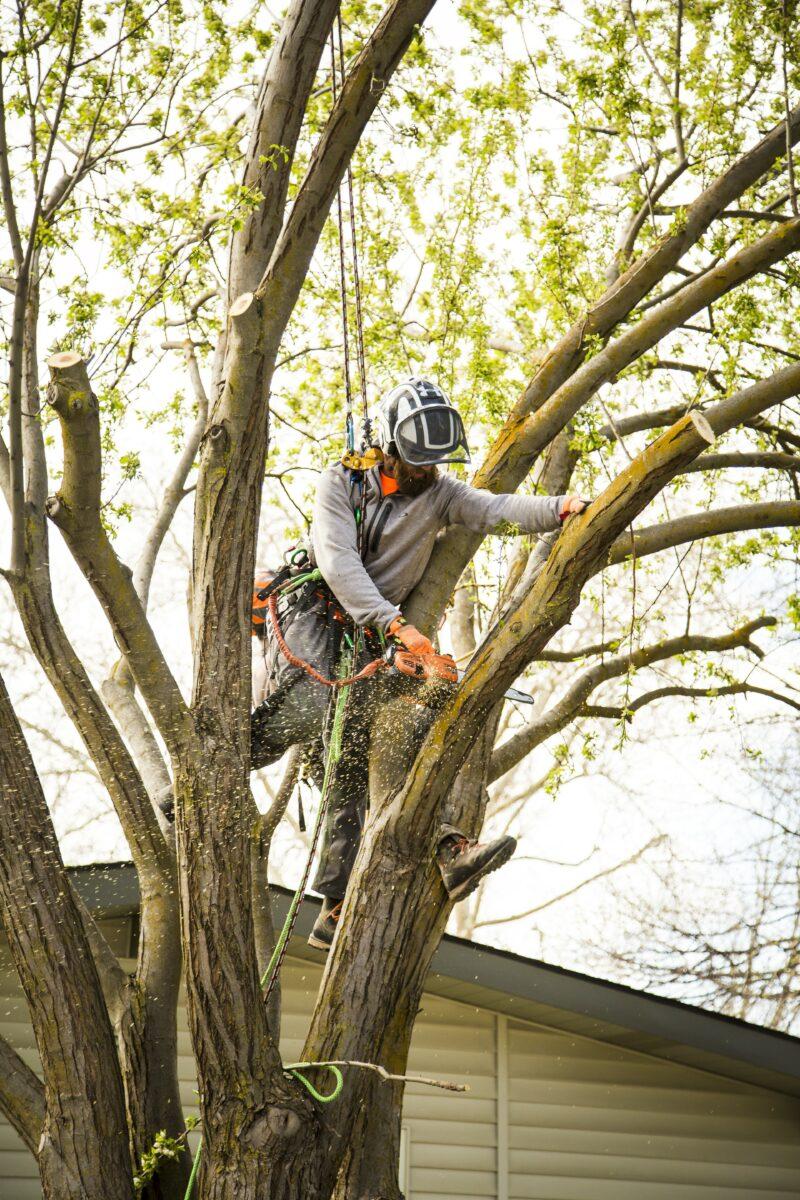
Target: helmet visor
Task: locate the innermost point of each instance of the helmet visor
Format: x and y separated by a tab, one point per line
430	435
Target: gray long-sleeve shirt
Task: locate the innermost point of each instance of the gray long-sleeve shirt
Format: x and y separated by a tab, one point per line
400	533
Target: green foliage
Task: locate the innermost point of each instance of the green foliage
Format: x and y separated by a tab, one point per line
514	167
164	1149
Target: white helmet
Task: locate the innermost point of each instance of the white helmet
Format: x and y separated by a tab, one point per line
417	423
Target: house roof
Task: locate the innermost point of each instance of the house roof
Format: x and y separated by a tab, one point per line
534	991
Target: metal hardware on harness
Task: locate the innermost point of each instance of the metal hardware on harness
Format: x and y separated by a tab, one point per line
373	457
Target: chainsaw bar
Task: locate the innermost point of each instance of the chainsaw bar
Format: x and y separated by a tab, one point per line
512	694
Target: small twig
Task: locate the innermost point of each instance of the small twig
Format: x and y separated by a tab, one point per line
384	1074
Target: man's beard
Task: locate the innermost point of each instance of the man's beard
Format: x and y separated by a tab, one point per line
413	485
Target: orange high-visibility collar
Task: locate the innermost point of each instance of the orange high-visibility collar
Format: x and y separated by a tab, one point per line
388	484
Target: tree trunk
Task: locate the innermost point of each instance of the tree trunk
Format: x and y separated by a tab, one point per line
148	1045
258	1125
146	1023
83	1152
370	1169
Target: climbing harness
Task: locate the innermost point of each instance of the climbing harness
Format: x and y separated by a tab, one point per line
425	667
376	664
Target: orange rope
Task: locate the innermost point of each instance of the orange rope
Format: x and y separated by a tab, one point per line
371	668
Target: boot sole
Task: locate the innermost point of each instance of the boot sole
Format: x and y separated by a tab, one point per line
318	943
498	860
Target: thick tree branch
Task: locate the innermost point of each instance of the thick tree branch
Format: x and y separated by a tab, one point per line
511	457
118	693
651	539
57	657
359	97
21	1096
573	702
76	510
113	979
22	286
280	109
119	689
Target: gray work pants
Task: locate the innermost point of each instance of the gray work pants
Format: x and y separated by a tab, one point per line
292	708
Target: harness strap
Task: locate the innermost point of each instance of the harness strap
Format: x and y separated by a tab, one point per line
376	664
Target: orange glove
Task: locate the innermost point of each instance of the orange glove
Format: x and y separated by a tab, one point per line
411	638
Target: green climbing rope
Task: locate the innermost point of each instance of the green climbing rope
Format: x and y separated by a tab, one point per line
294	1069
333	756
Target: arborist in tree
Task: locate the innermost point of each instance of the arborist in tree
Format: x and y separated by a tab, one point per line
368	568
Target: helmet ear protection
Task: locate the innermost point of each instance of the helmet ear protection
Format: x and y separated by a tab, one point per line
417	423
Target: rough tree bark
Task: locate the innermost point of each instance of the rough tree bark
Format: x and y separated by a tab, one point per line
263	1136
22	1097
83	1151
144	1008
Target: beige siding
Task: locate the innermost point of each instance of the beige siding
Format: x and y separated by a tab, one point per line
592	1122
582	1120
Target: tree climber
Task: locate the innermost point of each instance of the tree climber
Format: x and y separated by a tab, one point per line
407	501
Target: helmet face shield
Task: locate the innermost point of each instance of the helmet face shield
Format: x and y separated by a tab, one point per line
430	435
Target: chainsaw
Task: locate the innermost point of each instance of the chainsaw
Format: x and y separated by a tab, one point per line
429	667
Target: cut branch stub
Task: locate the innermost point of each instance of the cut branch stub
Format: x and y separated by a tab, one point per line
702	426
66	358
241	304
70	394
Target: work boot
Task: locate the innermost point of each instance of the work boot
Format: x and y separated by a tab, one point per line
464	863
325	926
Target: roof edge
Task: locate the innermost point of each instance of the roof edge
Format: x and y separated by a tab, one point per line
111	890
